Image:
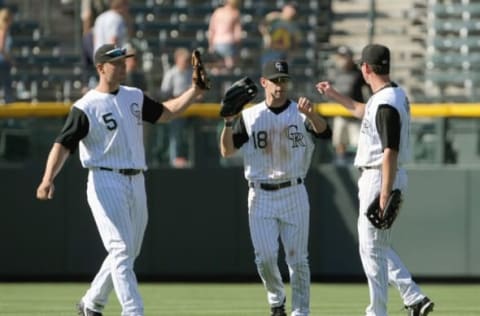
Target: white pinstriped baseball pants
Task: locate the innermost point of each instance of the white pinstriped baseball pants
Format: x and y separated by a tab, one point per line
381	264
283	213
119	207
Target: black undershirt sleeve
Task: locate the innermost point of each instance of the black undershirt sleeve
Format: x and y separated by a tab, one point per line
388	126
326	134
239	134
76	125
152	110
75	129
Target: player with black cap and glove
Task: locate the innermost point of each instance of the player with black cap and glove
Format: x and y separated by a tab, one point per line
106	124
383	149
276	138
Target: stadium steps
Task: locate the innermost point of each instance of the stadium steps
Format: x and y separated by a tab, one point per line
394	27
452	49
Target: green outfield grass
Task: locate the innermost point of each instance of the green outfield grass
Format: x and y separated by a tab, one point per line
173	299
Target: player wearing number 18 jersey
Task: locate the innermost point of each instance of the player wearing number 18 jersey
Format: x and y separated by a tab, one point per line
276	139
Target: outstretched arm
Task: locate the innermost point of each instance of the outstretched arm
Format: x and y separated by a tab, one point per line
57	157
356	108
200	83
176	106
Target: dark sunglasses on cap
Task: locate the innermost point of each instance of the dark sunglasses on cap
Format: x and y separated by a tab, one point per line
116	52
280	80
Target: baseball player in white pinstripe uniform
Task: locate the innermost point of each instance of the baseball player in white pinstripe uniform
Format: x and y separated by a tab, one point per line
275	137
107	124
382	150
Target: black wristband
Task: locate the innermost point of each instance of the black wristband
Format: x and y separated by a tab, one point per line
228	123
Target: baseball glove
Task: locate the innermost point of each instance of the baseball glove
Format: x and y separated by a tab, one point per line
385	219
199	76
240	93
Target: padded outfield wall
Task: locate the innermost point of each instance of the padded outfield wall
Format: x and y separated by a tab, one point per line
198	225
198	217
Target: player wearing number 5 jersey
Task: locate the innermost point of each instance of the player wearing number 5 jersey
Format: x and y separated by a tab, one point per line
107	126
276	139
383	148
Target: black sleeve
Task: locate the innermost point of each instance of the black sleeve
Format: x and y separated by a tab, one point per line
240	135
388	126
357	88
75	128
152	110
326	134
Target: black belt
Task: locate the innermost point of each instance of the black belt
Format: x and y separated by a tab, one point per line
367	168
276	186
125	172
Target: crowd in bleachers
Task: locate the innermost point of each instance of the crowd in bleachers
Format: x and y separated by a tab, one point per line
46	69
45	61
48	66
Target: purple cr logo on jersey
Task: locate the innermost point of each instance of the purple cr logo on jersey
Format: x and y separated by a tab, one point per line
295	136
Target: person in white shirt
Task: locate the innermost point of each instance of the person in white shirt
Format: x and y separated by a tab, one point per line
112	26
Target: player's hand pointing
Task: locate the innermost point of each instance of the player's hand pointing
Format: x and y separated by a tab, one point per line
45	191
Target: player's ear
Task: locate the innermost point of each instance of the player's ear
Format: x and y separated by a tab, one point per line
368	68
263	81
99	68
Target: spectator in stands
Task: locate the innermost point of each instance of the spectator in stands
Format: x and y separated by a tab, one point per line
90	10
225	33
6	20
349	81
176	80
112	26
135	75
280	32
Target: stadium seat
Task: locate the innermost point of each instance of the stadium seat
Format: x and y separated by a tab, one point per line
47	61
453	61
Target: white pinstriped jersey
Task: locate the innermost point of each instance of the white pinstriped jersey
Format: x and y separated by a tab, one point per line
115	137
370	151
279	146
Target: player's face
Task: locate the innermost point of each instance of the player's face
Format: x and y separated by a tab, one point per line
275	90
115	72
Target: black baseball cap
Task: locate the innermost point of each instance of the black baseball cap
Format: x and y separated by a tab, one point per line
377	55
109	53
344	51
275	69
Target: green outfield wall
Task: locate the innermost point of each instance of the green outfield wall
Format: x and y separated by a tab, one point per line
198	224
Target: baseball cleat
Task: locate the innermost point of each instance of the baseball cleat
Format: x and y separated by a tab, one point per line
278	310
82	310
422	308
